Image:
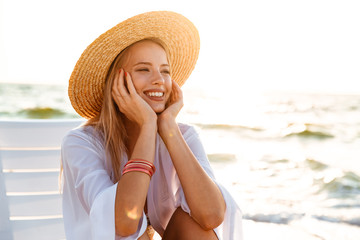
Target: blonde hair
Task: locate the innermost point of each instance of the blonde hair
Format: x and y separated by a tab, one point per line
109	122
109	125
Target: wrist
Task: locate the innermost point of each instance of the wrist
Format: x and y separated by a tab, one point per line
149	126
150	119
167	127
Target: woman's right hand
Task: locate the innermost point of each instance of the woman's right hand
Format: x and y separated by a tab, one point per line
129	102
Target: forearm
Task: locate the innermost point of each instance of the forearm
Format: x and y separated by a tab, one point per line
204	198
145	145
133	186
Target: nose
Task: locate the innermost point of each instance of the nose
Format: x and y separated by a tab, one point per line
158	79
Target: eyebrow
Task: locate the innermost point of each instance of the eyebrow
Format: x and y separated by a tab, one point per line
149	63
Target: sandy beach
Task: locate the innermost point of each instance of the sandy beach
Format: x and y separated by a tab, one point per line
271	231
313	230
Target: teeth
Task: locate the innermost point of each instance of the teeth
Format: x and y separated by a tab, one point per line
155	94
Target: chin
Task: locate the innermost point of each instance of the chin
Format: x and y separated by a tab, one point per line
159	111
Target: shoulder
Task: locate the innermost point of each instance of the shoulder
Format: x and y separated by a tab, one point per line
76	133
83	135
82	145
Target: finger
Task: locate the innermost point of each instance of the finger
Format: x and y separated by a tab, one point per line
130	84
177	87
176	90
114	89
121	84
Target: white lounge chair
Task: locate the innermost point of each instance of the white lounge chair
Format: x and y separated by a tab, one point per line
30	200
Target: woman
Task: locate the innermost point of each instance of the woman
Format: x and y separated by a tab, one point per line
131	167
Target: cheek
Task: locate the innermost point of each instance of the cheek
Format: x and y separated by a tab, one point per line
138	82
168	84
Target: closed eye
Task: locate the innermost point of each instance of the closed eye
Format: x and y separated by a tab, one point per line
143	70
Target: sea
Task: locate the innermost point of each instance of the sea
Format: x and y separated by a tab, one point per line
288	158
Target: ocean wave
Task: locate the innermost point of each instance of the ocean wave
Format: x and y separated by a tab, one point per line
346	205
222	157
228	127
339	185
325	180
288	217
351	221
279	218
334	182
316	165
311	134
309	103
307	130
43	113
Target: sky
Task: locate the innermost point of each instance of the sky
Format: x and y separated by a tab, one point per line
246	46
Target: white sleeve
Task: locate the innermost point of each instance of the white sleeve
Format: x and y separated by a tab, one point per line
94	189
231	228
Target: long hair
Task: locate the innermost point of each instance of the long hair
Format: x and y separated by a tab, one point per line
109	122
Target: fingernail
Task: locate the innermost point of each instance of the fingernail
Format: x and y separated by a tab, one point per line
125	74
120	70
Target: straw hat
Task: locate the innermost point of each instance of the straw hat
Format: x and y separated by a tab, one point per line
176	33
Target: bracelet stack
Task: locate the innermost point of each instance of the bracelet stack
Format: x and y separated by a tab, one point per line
139	165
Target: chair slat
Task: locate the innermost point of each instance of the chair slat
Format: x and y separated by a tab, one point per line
30	159
39	229
31	182
35	133
38	205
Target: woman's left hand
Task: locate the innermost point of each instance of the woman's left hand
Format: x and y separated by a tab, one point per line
173	107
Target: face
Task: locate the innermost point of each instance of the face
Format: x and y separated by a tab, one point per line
147	64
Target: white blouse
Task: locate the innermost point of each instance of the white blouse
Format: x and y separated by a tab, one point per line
89	192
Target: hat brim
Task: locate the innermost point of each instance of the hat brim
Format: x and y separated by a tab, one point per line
176	33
